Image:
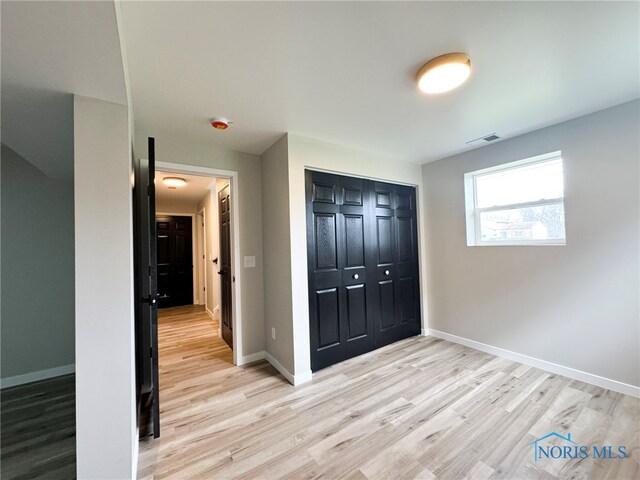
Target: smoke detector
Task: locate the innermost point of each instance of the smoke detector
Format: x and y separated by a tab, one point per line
220	123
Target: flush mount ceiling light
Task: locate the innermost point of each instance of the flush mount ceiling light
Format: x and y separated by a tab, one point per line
174	182
444	73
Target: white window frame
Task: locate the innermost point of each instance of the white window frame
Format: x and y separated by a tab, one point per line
474	236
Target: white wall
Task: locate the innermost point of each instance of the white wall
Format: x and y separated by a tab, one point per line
308	153
575	305
210	203
37	271
277	253
177	150
106	439
176	205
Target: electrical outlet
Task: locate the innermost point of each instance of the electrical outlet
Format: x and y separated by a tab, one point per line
273	333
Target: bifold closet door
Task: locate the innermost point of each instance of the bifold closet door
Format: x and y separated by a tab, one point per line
362	252
397	292
340	297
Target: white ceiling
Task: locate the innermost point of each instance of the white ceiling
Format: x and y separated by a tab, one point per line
196	188
343	72
51	50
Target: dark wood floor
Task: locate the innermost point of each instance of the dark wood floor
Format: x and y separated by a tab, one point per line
38	423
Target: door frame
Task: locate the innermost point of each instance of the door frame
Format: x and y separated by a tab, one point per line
236	270
193	246
202	257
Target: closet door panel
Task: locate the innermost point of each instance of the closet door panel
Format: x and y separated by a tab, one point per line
363	265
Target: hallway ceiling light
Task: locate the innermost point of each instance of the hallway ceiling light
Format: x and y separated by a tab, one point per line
444	73
174	182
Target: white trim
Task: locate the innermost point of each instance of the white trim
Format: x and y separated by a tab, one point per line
291	378
513	206
37	376
236	291
580	375
202	257
194	247
136	454
425	332
253	357
359	177
210	313
473	212
503	167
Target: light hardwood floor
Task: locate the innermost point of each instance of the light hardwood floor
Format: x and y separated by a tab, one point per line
38	430
421	408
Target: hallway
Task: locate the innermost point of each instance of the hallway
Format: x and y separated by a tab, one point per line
198	383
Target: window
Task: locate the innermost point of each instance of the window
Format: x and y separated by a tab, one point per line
518	203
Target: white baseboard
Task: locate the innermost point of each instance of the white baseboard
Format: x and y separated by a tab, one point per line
136	453
36	376
597	380
293	379
215	315
254	357
425	332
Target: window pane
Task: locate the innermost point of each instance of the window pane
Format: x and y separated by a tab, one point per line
544	222
528	183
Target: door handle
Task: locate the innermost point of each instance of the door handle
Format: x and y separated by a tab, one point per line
356	276
151	299
386	272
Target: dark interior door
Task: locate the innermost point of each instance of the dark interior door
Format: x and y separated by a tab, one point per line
175	260
397	315
340	295
363	265
226	277
146	292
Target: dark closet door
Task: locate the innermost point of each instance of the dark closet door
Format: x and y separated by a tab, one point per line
340	300
175	261
362	254
226	277
397	314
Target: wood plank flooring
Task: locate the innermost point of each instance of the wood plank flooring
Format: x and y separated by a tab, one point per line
39	430
421	408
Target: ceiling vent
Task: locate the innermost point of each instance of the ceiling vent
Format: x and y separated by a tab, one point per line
484	139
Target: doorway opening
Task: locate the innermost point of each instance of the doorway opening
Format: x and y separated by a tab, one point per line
197	239
188	319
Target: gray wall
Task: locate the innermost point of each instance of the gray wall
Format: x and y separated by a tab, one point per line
37	268
106	438
277	253
575	305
